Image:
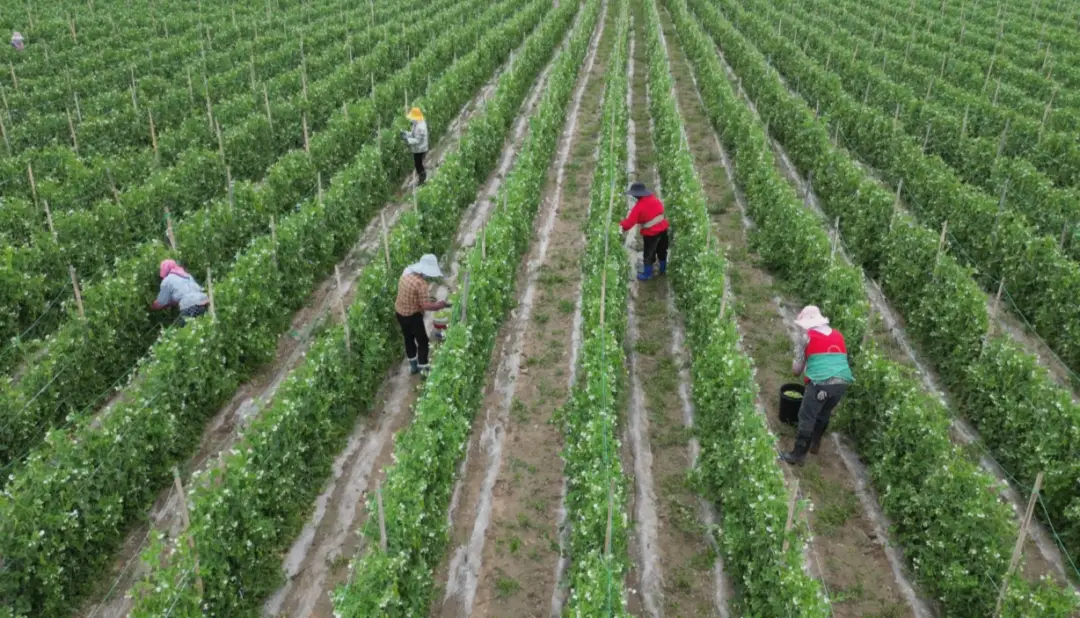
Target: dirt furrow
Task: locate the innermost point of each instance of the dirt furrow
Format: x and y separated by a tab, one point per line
846	550
492	570
225	428
645	538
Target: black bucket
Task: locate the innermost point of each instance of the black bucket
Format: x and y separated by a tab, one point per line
789	406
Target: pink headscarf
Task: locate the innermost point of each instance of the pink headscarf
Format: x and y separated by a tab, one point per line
170	267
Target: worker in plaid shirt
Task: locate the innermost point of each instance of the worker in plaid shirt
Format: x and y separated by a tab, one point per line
413	299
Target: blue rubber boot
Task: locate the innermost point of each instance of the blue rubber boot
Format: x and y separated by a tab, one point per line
414	366
645	274
663	267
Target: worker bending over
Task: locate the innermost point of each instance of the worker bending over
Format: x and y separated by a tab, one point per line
412	301
179	289
417	139
822	353
648	212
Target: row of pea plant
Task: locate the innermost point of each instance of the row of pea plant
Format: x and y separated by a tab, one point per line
114	80
596	493
293	443
953	128
1026	420
417	490
230	90
71	505
998	242
958	553
71	377
738	468
92	240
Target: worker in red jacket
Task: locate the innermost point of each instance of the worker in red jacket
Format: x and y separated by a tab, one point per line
648	212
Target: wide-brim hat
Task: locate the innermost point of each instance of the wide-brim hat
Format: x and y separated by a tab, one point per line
428	266
810	317
638	189
415	114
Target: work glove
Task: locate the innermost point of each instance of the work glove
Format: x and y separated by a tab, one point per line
822	396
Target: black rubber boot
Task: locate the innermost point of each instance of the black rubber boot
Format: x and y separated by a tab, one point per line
797	455
815	440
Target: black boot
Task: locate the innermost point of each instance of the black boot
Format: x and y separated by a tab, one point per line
815	440
797	455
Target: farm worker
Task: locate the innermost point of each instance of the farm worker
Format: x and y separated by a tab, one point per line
17	41
417	138
412	301
179	289
648	212
822	354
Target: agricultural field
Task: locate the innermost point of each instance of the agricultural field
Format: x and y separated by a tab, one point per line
585	443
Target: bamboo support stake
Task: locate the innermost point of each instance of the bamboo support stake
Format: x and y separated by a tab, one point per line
307	142
78	108
210	292
153	131
112	185
385	238
791	514
483	243
341	308
835	239
134	95
896	118
997	90
254	88
209	105
941	244
1019	548
33	185
49	221
185	518
266	102
169	233
78	292
14	79
926	138
610	515
1064	234
303	80
963	126
190	88
220	140
229	185
3	130
71	128
71	26
1004	138
319	186
382	516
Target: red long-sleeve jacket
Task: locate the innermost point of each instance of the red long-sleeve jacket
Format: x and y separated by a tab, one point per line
646	211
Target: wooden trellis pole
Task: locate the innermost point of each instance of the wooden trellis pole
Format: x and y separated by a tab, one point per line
341	307
169	233
185	518
33	185
266	102
49	221
1019	548
78	292
153	131
307	140
71	128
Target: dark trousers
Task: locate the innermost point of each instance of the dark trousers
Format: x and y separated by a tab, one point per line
192	312
416	339
418	163
814	414
655	246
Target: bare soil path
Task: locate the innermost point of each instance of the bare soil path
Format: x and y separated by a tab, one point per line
847	547
505	531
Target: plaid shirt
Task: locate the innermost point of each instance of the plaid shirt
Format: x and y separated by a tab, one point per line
412	293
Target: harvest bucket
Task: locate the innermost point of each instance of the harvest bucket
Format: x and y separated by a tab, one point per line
440	321
790	404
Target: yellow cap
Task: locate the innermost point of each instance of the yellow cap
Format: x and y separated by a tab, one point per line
415	114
